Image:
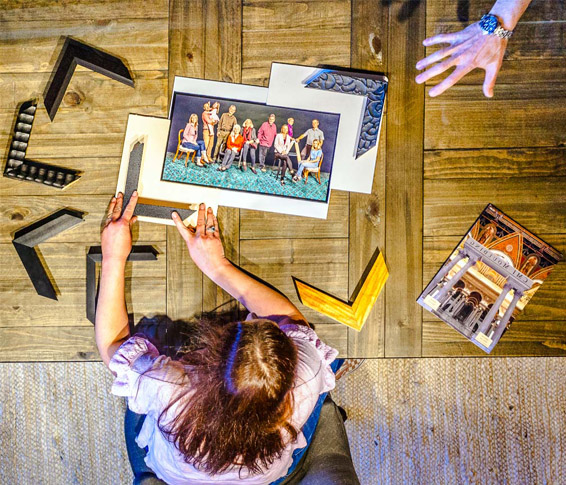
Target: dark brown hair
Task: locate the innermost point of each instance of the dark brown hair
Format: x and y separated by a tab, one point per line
237	405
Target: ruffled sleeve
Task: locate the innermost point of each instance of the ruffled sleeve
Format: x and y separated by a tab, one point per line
135	357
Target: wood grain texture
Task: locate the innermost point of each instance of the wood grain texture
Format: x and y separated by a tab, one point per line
524	338
21	306
403	205
18	11
267	225
308	33
367	212
548	303
20	211
37	344
452	205
34	46
484	164
521	115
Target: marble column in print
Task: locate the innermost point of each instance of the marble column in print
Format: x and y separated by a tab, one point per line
450	283
486	323
446	269
507	315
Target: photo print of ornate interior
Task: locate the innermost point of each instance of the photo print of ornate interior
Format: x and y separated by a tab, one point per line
489	278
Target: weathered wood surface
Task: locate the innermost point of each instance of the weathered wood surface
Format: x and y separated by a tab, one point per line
452	205
367	212
36	344
521	115
266	225
501	163
403	191
308	33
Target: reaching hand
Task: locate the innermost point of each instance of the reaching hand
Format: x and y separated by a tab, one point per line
203	241
116	236
469	49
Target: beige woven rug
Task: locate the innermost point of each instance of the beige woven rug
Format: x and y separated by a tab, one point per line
414	421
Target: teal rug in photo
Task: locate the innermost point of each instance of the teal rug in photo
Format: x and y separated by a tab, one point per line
236	179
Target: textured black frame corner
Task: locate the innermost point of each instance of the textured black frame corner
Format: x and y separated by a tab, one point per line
76	53
28	237
18	167
94	255
132	178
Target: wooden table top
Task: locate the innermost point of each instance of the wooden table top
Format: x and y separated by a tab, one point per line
440	161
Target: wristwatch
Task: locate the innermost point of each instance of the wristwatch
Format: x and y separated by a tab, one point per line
490	25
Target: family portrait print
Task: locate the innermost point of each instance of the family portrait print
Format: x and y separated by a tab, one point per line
250	147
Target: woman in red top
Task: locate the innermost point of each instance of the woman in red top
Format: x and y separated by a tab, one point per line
234	144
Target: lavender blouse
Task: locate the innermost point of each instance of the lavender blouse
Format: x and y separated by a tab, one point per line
151	394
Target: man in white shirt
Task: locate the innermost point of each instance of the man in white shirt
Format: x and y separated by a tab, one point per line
283	144
314	133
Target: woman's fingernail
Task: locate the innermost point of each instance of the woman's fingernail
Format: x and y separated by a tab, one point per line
135	193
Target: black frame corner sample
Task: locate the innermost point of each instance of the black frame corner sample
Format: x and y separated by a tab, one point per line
76	53
132	179
18	167
30	236
94	255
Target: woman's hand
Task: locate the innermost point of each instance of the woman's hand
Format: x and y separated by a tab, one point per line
469	49
116	236
203	241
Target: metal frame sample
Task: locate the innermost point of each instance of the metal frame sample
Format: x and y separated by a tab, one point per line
94	255
18	167
76	53
132	179
27	238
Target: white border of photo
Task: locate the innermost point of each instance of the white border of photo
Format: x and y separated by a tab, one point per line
287	88
231	198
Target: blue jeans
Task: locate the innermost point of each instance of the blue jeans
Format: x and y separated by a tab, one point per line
199	147
144	475
304	165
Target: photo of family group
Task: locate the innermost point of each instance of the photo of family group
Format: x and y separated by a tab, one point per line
251	147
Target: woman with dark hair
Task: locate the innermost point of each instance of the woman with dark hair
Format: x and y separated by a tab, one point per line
239	406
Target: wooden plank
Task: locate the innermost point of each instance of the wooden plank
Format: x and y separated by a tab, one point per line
333	334
38	344
404	197
441	11
273	16
367	212
20	211
21	306
524	338
484	164
186	58
452	205
34	46
320	262
307	47
18	11
267	225
463	118
87	90
548	303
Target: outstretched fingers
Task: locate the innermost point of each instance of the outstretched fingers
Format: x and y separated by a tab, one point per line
442	39
117	209
458	74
